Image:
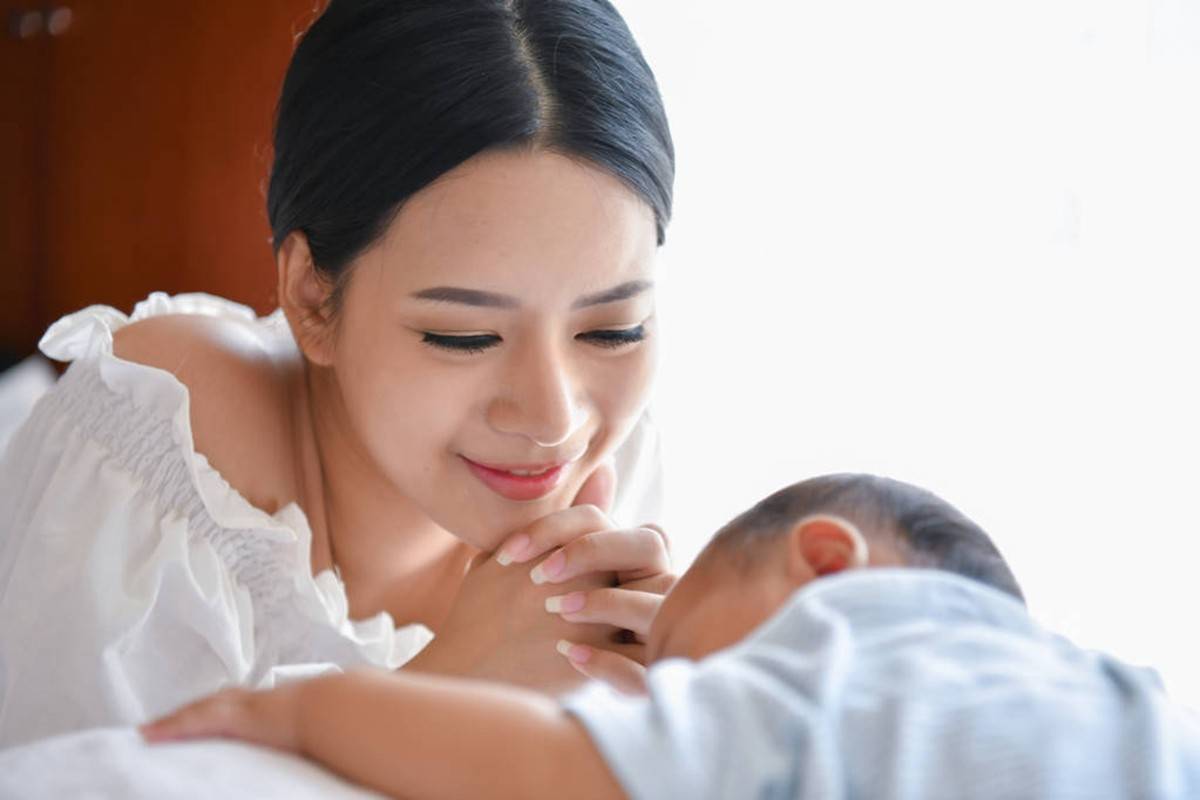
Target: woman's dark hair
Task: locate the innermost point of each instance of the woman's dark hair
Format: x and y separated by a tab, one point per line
929	531
382	97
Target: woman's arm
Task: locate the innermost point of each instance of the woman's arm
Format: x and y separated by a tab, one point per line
415	736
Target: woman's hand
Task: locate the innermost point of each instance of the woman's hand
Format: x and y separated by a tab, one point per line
498	630
583	540
504	625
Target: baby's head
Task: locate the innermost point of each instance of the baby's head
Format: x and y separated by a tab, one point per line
809	530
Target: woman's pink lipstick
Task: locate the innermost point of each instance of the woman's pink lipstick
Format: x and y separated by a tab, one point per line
544	479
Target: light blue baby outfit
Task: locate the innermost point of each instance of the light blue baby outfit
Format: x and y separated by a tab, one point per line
898	683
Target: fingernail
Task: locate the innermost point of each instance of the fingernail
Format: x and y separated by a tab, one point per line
512	550
549	568
566	603
577	653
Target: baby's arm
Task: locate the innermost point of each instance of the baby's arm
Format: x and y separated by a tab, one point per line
410	735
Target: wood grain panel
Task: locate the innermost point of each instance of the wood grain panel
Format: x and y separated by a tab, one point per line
23	111
144	166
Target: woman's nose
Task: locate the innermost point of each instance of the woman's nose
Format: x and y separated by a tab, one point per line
540	401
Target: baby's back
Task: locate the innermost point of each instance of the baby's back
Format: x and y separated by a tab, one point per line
899	683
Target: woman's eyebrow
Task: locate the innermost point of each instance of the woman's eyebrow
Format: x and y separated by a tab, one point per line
479	298
617	293
467	297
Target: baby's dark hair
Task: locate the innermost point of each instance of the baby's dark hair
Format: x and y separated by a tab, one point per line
925	530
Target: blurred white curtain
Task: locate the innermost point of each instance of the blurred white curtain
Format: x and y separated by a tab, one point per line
957	243
21	387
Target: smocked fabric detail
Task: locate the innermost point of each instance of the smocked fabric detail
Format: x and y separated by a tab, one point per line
138	415
145	444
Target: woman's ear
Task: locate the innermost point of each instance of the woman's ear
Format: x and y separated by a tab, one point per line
304	296
823	544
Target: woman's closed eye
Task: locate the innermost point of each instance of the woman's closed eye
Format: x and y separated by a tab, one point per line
614	338
609	339
470	343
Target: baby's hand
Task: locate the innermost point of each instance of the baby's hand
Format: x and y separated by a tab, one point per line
270	718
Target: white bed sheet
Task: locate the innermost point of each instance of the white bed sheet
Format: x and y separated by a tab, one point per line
115	763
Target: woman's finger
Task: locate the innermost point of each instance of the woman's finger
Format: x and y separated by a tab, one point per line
600	488
659	530
635	553
617	670
624	578
551	531
621	608
657	584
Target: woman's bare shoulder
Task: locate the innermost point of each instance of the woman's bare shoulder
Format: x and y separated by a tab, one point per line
239	384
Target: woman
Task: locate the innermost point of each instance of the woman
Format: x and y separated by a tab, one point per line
466	201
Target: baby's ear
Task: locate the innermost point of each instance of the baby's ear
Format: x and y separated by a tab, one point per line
824	544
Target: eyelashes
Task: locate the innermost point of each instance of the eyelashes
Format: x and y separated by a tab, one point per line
613	339
460	344
606	339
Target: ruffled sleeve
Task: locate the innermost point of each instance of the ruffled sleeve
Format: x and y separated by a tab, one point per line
133	578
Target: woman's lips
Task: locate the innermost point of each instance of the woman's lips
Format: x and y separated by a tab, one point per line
539	480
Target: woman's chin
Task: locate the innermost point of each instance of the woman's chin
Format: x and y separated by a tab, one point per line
490	523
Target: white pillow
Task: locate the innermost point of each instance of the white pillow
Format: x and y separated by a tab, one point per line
117	763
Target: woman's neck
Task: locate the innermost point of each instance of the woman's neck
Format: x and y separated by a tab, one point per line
388	552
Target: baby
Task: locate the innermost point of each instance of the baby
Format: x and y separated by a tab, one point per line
849	636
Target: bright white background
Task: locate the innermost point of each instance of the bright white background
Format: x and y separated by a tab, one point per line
956	243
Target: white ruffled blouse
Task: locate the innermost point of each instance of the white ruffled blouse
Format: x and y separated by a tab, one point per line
134	578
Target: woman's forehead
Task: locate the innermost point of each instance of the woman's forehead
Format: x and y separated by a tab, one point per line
506	219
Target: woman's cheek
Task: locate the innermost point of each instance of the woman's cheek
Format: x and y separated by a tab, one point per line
621	393
408	418
624	391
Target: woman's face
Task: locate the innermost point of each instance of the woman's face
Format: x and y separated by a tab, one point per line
499	341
